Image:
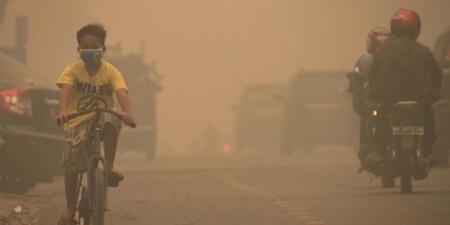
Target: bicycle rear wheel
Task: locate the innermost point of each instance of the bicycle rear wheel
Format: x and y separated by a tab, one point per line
98	206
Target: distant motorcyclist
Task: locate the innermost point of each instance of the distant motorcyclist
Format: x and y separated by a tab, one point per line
442	50
358	79
405	70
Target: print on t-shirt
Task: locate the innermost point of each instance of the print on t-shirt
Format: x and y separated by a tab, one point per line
84	87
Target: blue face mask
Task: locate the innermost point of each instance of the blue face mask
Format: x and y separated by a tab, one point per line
91	56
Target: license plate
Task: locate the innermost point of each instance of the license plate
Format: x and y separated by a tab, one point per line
408	130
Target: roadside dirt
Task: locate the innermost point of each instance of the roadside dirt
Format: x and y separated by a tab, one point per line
27	209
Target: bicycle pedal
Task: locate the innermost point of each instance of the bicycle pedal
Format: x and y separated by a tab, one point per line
114	179
114	183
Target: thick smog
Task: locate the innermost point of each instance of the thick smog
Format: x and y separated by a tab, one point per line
224	112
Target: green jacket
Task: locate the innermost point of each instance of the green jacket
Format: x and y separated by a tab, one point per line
389	61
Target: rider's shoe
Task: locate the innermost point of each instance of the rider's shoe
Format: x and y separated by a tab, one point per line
67	218
374	163
433	161
361	167
114	178
423	169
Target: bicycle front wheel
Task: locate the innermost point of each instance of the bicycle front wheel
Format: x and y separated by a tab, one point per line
98	198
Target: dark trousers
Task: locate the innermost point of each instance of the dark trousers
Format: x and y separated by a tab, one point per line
365	138
430	128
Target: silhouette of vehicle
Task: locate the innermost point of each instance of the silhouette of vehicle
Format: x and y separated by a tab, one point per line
31	143
258	117
442	107
317	111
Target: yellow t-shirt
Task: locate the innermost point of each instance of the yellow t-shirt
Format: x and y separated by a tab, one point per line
90	91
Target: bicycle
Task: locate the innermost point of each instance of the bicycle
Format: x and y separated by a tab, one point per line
93	196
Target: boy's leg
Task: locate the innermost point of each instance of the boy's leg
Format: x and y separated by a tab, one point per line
76	156
71	185
110	136
430	130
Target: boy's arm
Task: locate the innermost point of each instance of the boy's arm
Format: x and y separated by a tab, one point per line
64	99
124	102
65	83
121	91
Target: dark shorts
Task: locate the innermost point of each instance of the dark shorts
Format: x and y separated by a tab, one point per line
79	144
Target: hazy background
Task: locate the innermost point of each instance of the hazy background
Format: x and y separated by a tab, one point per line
210	49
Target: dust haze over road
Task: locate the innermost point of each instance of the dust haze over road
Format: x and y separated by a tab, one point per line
210	49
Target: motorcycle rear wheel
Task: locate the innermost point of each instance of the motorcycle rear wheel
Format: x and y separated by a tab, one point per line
405	173
406	184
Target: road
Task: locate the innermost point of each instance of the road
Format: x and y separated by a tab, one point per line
314	189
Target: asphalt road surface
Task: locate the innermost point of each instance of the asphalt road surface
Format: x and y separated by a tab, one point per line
314	189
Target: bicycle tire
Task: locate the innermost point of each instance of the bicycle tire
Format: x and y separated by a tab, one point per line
98	207
83	208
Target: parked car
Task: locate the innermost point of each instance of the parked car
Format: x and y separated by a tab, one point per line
442	107
258	117
317	110
31	143
441	49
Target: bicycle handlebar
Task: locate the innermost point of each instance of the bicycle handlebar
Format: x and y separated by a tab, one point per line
78	114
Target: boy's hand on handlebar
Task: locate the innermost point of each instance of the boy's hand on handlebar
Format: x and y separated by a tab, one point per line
128	118
62	118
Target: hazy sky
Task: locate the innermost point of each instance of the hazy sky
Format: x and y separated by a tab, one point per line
210	49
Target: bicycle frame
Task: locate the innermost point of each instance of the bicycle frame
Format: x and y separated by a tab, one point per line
86	200
94	161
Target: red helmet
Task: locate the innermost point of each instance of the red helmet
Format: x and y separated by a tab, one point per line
376	38
406	23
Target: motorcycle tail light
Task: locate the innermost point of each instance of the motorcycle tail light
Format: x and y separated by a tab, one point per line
17	101
375	113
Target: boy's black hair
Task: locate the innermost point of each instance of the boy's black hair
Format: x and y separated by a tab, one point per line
95	29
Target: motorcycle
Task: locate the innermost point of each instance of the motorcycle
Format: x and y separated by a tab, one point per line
399	136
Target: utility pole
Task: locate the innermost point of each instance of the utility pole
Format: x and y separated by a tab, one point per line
3	4
21	38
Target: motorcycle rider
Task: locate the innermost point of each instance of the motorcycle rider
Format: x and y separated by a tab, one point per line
405	70
358	79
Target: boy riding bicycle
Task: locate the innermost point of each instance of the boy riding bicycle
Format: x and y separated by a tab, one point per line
88	84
